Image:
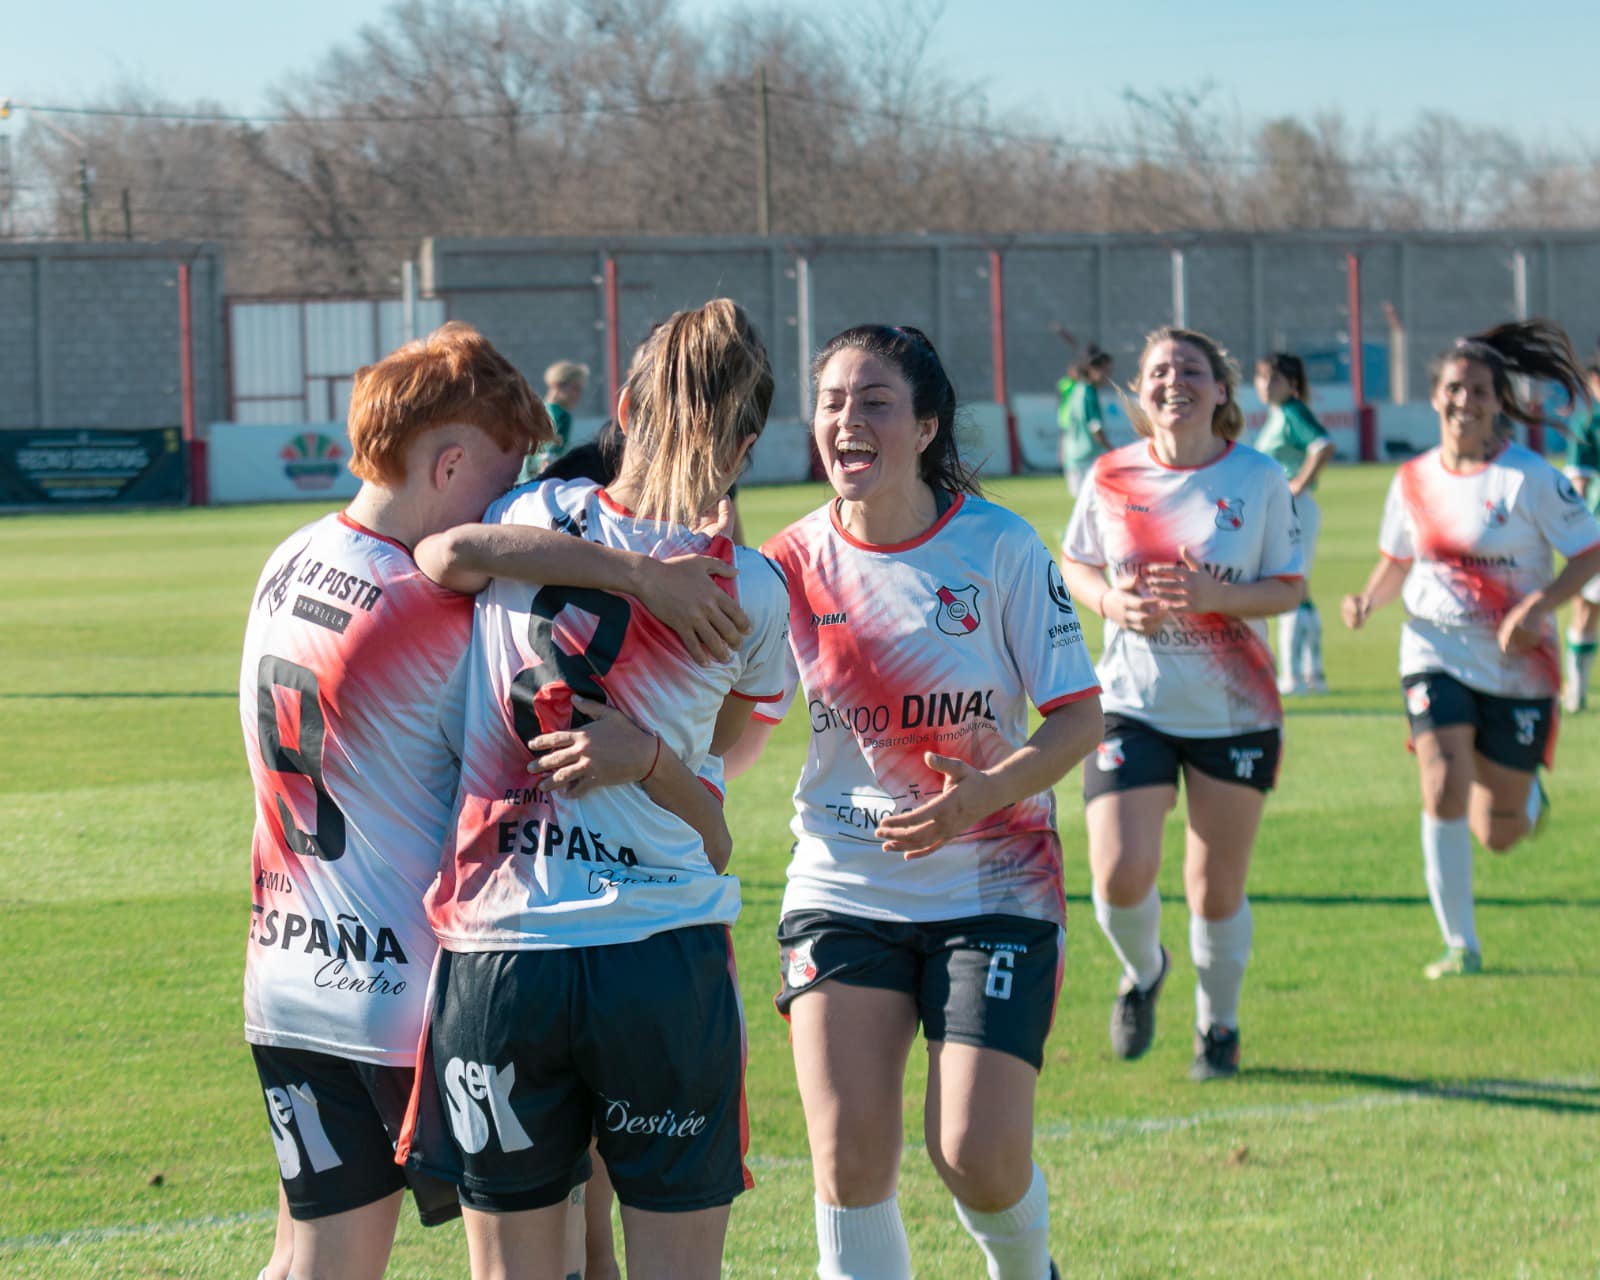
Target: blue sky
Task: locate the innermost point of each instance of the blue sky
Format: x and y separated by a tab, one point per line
1527	67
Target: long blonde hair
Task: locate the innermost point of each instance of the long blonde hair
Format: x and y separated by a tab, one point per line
698	387
1228	419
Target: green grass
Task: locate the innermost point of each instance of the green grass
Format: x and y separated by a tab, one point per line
1384	1126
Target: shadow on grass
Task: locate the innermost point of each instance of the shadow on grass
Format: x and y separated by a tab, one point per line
189	693
1562	1096
1369	900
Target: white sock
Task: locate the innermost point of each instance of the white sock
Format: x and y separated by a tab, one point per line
1580	661
1015	1241
862	1244
1221	950
1288	644
1531	808
1134	934
1311	642
1447	863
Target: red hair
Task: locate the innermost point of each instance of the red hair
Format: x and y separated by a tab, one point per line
453	376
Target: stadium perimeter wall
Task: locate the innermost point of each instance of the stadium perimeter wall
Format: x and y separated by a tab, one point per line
545	299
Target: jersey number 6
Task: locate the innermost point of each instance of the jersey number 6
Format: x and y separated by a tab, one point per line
305	759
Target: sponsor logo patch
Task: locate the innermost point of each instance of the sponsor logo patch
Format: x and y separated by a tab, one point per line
1058	588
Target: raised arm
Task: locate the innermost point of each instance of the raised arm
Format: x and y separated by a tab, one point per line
682	592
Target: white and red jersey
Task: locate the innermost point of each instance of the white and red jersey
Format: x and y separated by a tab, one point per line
938	644
527	871
347	651
1477	542
1202	675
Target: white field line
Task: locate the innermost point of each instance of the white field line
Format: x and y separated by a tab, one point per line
1126	1126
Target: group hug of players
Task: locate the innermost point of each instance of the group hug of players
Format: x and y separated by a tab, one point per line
490	733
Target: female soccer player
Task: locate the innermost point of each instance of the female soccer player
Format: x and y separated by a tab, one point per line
1083	433
926	879
1183	542
348	652
584	983
1466	542
1294	439
1583	469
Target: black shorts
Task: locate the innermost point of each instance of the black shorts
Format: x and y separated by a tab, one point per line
1132	754
1518	733
989	981
334	1126
638	1045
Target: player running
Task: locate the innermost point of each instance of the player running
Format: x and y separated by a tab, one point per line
1583	469
926	883
1469	528
585	980
1083	429
1293	438
1184	541
347	651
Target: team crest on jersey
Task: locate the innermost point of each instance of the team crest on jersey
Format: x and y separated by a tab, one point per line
276	589
958	610
1058	588
1495	514
1417	700
1230	513
1568	491
1109	756
801	968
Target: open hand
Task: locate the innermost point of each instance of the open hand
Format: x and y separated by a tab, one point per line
918	832
1185	586
683	593
607	751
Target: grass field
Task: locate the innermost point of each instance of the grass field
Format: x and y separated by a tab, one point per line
1383	1126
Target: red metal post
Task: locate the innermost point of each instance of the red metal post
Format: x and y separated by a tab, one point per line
997	339
613	336
193	445
1366	419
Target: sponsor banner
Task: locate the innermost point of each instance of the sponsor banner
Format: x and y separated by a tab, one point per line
92	466
254	463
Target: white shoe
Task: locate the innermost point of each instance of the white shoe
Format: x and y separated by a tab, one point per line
1291	688
1316	686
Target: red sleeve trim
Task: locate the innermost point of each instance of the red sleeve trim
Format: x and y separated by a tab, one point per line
756	715
1288	577
711	787
1055	704
756	697
1394	559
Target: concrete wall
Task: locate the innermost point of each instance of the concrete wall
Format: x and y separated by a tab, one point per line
89	334
542	300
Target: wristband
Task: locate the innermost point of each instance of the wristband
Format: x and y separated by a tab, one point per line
653	763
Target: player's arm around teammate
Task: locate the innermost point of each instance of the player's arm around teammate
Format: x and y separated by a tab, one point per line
353	786
1182	541
1468	536
925	884
593	922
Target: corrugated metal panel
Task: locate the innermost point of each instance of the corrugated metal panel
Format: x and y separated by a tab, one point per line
391	319
340	337
270	412
265	349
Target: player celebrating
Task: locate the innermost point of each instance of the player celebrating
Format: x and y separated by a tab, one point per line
1083	431
585	979
1294	439
1583	469
1198	538
1468	532
926	879
347	651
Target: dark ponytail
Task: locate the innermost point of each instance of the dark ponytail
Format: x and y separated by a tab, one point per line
1292	369
1524	348
1094	360
912	355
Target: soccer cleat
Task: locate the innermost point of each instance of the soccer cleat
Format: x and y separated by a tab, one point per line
1457	962
1216	1054
1133	1013
1316	685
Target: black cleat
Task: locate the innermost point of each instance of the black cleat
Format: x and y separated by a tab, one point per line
1055	1271
1216	1054
1133	1014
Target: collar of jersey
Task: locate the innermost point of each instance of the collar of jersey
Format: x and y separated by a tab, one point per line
1477	468
350	522
1167	466
930	531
